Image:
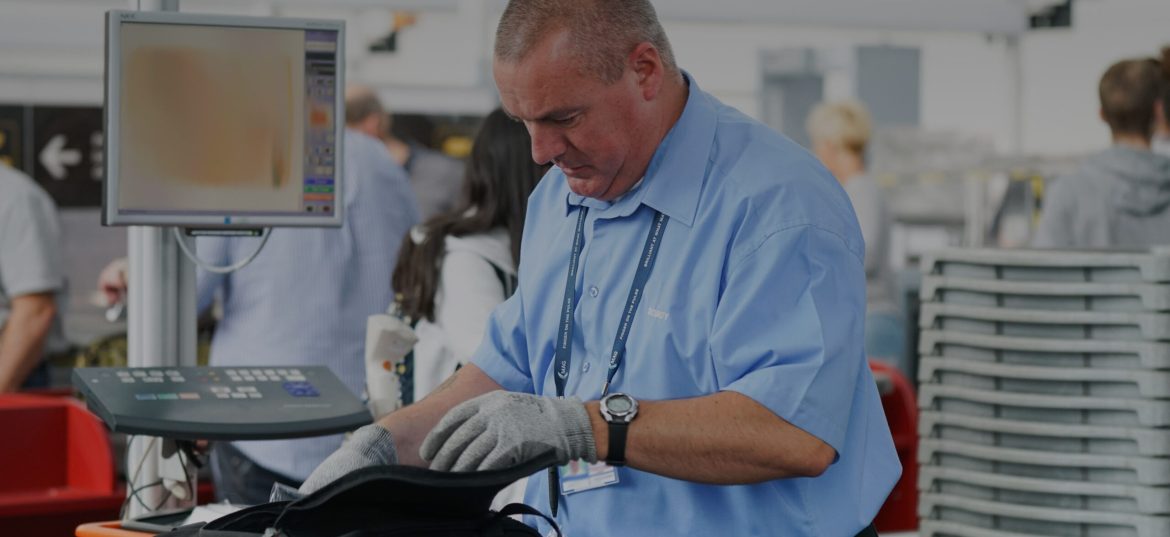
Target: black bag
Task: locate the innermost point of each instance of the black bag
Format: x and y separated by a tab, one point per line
388	501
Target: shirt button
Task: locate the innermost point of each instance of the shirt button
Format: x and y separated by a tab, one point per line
594	291
585	367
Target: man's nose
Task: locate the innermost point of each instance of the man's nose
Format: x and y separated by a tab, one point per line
547	144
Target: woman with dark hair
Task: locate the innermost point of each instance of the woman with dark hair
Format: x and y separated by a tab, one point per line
459	265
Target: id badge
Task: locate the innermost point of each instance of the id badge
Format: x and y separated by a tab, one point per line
580	476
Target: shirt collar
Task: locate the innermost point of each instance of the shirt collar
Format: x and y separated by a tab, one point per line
674	178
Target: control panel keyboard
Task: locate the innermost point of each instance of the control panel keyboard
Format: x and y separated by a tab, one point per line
221	402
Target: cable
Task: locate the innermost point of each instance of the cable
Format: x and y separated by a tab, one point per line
135	491
212	268
182	454
134	495
132	478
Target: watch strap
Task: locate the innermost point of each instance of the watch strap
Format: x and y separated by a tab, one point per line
617	443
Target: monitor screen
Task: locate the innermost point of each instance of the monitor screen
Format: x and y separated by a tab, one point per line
223	122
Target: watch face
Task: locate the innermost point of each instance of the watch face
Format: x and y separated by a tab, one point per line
619	405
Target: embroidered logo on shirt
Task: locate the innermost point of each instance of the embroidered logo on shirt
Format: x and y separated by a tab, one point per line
657	314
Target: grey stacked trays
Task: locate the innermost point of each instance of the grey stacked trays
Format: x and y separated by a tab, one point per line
1045	394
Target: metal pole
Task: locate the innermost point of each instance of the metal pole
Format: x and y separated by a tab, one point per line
161	332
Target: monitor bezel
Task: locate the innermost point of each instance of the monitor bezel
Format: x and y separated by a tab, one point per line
112	214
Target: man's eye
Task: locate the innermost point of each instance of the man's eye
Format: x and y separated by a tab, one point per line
565	120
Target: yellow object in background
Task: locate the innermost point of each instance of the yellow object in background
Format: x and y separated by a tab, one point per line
457	146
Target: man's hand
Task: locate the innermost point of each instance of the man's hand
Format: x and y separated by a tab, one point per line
369	446
112	281
502	429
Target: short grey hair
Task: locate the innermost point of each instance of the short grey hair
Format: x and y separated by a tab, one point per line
602	32
360	103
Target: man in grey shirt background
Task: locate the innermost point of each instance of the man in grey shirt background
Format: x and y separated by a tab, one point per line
31	281
1120	197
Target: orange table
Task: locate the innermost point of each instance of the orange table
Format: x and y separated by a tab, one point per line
107	529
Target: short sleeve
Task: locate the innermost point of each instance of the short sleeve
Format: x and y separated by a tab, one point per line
788	330
30	247
503	353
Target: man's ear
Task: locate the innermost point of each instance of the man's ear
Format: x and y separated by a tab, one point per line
648	70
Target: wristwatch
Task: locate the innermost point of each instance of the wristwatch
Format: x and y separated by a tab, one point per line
618	410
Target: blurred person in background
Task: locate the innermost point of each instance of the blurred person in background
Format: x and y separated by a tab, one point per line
1160	143
461	264
303	301
840	134
1120	197
434	177
32	279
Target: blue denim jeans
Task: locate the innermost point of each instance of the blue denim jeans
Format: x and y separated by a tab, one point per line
38	378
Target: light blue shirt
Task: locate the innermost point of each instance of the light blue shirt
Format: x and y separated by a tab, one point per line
759	288
304	300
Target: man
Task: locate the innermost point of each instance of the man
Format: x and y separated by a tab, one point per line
304	301
744	352
435	178
1160	143
31	279
1120	197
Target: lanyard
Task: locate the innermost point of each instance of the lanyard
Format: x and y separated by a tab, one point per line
564	351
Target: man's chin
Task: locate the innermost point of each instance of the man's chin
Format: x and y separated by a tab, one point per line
590	187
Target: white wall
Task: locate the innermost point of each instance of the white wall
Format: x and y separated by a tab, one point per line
969	82
50	52
965	82
1060	94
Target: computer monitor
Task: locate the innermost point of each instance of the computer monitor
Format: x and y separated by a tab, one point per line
223	122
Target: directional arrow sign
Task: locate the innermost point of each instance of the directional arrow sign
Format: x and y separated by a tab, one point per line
54	157
65	153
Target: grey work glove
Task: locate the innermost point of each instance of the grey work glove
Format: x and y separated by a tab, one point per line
502	429
369	446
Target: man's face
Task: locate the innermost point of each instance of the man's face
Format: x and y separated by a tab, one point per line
587	128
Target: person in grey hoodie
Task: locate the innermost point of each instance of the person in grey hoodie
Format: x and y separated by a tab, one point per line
1120	197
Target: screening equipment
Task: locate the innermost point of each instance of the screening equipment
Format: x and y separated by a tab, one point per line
221	122
221	403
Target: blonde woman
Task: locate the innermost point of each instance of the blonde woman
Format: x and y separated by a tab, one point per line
840	133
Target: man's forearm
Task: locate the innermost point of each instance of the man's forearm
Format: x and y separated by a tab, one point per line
24	338
725	438
410	425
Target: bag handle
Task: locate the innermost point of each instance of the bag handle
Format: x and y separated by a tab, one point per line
524	509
